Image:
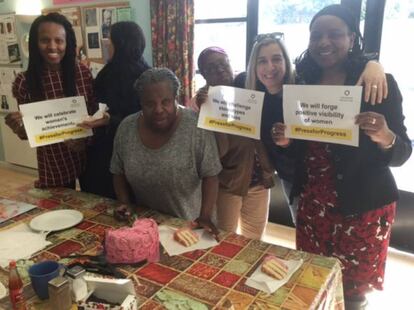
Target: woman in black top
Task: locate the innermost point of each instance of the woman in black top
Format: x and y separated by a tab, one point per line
114	87
348	194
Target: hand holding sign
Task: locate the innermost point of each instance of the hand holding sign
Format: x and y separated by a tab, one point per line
202	96
15	121
322	113
232	110
52	121
99	119
278	135
375	126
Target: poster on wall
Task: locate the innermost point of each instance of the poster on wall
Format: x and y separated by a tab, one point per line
93	47
9	49
7	77
123	14
108	17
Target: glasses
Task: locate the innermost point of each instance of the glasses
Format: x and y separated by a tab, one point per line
272	35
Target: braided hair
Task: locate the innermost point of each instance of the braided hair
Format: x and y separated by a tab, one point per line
36	62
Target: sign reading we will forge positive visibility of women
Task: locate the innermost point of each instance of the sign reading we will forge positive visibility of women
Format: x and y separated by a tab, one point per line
232	110
52	121
322	113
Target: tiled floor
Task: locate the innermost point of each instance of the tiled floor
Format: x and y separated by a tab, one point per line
397	294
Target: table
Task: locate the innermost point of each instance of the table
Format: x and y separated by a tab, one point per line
209	278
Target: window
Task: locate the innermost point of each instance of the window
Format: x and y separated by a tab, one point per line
221	23
228	24
292	18
396	56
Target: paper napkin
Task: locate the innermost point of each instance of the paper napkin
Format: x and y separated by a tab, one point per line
261	281
172	247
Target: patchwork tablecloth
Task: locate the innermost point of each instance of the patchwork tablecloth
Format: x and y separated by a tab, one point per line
204	279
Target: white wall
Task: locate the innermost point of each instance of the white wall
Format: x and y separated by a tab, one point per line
140	13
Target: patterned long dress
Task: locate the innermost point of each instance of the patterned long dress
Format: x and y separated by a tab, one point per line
359	241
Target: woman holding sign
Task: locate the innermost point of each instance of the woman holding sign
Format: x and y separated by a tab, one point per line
347	194
247	174
53	73
268	70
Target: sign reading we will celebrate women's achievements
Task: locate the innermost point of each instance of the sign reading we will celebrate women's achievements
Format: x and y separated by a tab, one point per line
232	110
322	113
52	121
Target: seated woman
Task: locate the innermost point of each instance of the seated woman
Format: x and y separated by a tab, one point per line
347	195
162	158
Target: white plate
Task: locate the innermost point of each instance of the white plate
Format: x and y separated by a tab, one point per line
56	220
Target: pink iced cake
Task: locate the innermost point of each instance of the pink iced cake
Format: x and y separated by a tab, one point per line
128	245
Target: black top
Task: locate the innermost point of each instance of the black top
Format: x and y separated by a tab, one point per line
116	89
113	86
363	179
272	113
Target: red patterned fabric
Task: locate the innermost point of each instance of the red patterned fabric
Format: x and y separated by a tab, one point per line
57	164
360	242
172	28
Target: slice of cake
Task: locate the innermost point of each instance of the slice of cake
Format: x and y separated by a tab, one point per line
274	267
185	236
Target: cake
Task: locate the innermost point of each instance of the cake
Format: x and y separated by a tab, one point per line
185	236
129	245
274	267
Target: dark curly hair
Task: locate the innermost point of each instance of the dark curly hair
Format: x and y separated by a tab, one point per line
36	62
308	71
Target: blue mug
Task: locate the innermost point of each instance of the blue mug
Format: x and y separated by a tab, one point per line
40	274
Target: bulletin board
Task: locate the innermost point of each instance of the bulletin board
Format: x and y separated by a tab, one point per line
91	25
9	49
7	76
97	22
10	61
15	150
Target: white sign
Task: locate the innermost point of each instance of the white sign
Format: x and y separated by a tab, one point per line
322	113
232	110
52	121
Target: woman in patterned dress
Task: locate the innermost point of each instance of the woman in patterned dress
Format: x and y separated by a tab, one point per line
347	194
